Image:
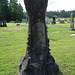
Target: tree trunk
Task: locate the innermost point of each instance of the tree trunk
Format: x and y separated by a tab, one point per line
38	60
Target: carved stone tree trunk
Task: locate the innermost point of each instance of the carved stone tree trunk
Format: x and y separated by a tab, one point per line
38	60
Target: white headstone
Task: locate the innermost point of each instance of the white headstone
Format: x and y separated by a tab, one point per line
47	20
24	20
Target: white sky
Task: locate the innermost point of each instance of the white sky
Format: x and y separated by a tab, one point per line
54	5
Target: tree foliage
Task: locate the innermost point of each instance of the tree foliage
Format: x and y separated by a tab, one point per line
11	10
4	10
16	10
62	14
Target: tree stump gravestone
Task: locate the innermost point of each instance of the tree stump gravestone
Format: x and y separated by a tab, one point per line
38	60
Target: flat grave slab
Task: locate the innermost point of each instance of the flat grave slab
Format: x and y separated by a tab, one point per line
72	35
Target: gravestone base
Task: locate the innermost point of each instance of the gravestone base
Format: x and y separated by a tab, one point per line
4	25
53	20
18	24
72	29
1	26
35	68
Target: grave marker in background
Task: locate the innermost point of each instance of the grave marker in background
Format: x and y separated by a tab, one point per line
53	20
24	20
72	22
47	20
0	23
4	23
12	21
61	21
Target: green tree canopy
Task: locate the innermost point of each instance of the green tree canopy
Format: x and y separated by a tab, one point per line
4	10
16	10
11	10
62	14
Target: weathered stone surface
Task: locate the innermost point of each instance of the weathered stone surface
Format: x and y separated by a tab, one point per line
61	21
72	23
53	20
38	60
47	20
0	23
4	23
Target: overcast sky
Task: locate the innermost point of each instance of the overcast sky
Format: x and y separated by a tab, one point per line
54	5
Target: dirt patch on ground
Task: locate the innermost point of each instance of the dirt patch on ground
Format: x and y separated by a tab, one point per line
59	27
14	28
19	28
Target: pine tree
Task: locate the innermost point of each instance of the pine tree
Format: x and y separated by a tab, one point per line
16	10
4	10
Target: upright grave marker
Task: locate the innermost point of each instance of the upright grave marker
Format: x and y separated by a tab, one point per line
53	20
62	21
4	23
38	60
0	23
47	20
72	22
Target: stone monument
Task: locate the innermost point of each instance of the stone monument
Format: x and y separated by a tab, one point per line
37	60
72	22
47	20
0	23
4	23
53	20
61	21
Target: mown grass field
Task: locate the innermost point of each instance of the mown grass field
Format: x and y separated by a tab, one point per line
13	46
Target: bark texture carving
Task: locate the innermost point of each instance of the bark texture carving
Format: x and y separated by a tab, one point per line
38	60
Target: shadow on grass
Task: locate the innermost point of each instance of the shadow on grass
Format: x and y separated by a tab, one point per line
53	39
60	73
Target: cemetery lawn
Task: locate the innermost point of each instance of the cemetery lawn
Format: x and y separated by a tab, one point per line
66	24
13	46
60	25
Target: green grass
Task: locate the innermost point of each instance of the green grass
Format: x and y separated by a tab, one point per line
61	25
63	49
15	25
13	46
